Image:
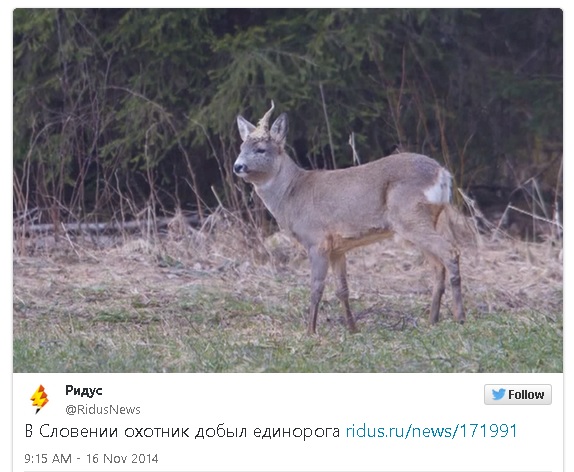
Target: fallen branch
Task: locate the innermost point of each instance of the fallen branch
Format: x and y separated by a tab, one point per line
108	227
536	217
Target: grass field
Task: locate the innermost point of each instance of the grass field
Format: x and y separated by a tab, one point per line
216	301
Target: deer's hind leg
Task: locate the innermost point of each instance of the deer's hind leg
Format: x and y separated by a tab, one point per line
444	254
439	286
420	230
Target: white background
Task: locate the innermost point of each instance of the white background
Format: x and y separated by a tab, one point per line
292	401
271	400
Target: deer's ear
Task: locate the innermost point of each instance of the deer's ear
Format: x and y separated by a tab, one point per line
245	128
280	128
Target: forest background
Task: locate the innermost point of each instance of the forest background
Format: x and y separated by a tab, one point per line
124	112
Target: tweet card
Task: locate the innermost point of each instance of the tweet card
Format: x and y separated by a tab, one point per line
285	239
209	422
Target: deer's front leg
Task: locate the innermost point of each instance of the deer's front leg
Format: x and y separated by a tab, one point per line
319	266
339	266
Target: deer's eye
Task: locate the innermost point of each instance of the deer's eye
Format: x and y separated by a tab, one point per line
260	150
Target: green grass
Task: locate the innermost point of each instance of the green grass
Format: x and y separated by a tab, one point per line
215	304
204	328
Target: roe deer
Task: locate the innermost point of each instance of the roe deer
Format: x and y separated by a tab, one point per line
332	211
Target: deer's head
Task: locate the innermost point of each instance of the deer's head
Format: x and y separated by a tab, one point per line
262	147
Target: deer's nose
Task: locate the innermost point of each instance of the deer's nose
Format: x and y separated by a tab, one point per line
240	169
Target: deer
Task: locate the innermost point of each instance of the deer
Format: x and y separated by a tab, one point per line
330	212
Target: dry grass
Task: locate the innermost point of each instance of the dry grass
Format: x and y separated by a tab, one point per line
224	299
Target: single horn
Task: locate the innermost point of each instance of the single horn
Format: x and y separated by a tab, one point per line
264	122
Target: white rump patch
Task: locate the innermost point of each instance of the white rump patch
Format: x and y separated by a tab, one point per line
440	191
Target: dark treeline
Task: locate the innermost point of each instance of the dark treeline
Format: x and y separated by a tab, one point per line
122	109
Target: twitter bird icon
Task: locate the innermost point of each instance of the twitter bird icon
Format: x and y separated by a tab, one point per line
498	394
